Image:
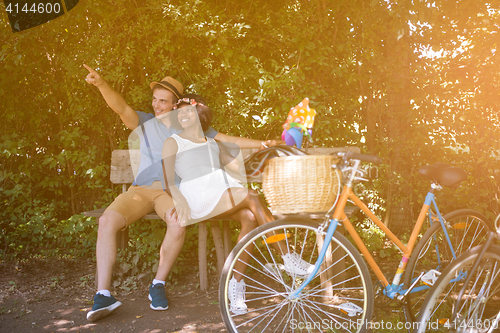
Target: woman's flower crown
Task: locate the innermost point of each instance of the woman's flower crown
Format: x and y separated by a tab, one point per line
190	101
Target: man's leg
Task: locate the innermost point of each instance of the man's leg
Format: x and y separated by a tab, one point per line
127	207
169	251
109	224
171	246
104	303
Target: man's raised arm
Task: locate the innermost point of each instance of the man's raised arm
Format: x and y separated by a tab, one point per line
113	99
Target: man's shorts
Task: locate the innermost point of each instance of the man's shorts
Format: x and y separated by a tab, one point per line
141	200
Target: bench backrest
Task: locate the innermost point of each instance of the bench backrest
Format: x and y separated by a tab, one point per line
124	161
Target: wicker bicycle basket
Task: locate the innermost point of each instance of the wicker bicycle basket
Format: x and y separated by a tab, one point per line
301	184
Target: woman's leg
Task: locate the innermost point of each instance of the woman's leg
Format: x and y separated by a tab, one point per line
234	200
248	223
248	201
247	220
251	204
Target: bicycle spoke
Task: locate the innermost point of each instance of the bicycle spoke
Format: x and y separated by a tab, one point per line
465	228
268	288
479	305
332	316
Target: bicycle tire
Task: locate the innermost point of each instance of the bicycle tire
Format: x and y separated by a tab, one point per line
344	281
479	305
468	229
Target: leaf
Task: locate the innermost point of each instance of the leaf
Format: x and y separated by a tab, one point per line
125	267
222	41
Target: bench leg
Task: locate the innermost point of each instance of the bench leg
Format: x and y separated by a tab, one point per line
122	239
222	248
202	255
228	246
219	247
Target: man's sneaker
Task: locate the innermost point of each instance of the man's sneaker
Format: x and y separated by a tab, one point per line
157	297
103	307
295	266
236	295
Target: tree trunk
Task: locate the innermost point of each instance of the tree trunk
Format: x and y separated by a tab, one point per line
398	131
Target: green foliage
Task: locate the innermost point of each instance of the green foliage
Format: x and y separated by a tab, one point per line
366	67
47	236
138	263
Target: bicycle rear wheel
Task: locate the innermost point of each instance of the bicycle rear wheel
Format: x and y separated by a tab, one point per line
478	307
466	229
339	298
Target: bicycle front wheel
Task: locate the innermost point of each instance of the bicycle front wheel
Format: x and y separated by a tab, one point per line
339	298
478	310
466	229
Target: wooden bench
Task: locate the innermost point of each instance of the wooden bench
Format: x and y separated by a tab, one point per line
123	164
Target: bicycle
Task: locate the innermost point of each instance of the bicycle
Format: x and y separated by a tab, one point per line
338	293
466	297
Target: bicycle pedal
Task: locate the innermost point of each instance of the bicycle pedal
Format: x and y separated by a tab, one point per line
430	277
350	309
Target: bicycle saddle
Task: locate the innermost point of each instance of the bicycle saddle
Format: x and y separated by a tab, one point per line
254	164
444	174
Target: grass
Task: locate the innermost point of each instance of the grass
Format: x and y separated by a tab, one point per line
387	320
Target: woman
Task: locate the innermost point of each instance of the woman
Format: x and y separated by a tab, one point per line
210	184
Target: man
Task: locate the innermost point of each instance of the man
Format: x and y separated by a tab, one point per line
146	193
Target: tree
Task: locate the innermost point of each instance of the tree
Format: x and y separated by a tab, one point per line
366	67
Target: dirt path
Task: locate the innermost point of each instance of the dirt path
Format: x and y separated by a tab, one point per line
49	296
54	296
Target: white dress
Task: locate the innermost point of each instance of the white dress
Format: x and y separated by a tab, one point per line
202	180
